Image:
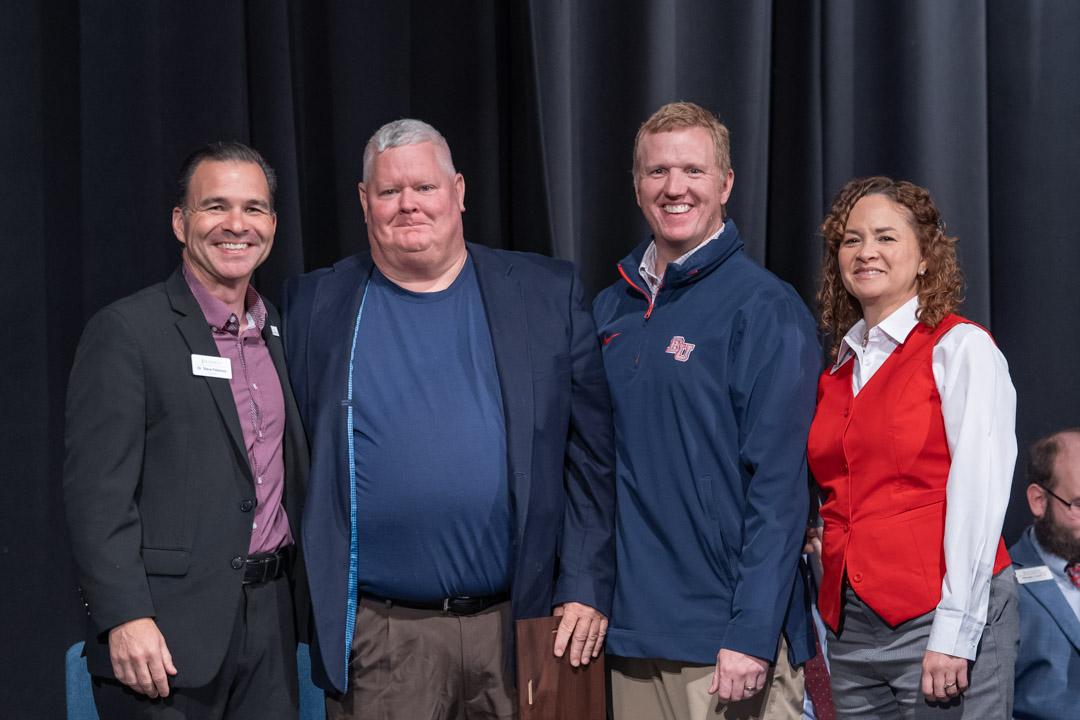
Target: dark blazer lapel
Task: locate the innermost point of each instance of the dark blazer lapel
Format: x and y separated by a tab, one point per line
196	334
333	318
1046	592
504	305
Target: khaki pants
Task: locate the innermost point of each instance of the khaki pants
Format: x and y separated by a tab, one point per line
411	664
649	689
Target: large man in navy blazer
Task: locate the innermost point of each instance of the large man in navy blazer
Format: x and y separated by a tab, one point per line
1046	559
462	450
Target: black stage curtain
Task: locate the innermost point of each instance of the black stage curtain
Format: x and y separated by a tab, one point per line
540	101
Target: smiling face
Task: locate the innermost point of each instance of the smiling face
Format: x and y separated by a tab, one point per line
226	225
879	257
412	205
681	189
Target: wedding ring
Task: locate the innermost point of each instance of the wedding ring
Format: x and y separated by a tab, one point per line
949	685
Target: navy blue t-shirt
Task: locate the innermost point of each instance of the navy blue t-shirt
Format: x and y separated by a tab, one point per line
432	502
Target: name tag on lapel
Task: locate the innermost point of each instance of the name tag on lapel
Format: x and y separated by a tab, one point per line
211	366
1033	574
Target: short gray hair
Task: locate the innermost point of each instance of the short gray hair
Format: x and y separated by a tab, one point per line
406	131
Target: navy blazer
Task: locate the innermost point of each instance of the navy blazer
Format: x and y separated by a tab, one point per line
1048	664
559	438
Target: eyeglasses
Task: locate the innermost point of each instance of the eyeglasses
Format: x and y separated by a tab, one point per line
1072	506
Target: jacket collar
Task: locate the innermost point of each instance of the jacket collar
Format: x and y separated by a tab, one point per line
698	265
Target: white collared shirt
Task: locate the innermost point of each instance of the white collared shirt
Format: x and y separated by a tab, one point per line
647	268
978	405
1056	565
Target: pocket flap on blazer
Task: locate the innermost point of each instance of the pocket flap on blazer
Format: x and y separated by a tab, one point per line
157	561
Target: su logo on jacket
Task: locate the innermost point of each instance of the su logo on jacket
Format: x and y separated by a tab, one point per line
680	348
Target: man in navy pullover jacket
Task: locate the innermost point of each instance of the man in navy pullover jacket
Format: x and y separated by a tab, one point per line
712	364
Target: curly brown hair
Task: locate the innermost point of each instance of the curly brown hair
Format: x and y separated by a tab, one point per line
941	289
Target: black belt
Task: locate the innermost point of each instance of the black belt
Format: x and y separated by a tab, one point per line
264	567
458	606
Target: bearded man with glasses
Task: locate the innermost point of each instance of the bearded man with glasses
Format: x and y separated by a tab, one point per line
1047	562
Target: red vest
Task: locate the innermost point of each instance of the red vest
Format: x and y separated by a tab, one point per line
882	461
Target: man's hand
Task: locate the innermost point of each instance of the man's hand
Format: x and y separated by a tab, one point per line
943	676
583	628
140	658
737	676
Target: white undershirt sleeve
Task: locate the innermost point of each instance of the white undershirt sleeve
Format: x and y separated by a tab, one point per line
978	404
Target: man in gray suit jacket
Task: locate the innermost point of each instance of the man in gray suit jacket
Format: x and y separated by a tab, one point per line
184	475
1047	562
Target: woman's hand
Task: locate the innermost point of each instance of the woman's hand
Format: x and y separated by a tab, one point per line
813	541
943	676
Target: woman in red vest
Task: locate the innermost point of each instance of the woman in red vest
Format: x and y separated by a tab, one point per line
913	446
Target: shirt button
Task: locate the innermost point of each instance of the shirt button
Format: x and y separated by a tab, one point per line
857	577
254	526
237	563
255	386
259	480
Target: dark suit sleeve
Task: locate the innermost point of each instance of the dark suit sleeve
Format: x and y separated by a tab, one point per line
105	436
774	372
587	556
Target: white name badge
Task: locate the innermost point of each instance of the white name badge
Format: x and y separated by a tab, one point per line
211	366
1033	574
274	331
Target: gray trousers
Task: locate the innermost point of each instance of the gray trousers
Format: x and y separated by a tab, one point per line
876	670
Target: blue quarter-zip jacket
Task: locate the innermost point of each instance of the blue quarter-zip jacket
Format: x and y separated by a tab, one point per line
713	386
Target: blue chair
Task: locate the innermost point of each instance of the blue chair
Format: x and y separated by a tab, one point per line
80	698
312	700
